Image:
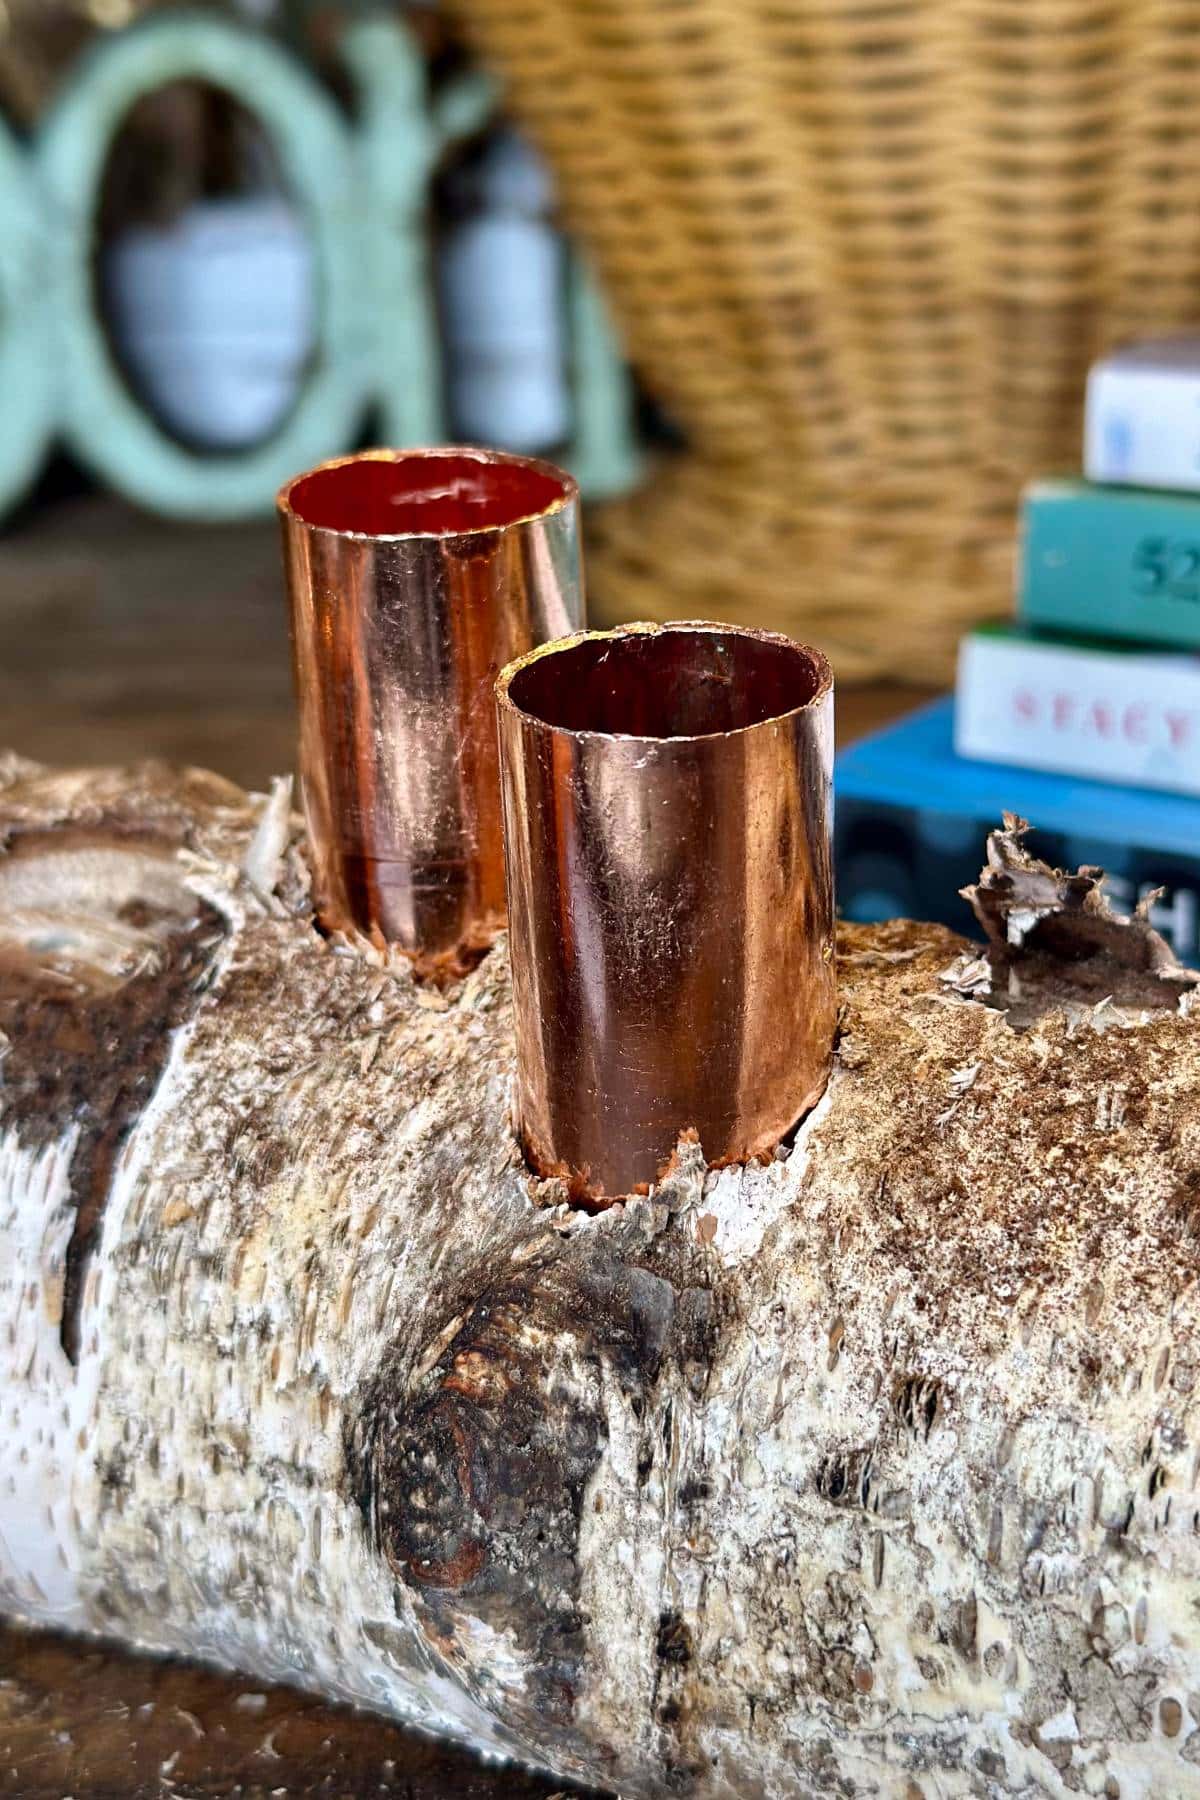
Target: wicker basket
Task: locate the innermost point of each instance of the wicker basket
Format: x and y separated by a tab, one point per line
863	251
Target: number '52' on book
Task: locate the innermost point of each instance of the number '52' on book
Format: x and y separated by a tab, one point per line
1111	562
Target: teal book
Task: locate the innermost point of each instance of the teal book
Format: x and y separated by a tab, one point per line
1111	562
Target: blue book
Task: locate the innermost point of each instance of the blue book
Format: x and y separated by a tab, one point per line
912	820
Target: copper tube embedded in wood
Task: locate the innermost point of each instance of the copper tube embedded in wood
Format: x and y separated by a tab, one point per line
413	577
667	819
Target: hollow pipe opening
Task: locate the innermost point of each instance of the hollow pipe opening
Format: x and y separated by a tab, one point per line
428	493
677	682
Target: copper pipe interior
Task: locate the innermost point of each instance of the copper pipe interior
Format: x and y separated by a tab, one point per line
414	576
667	826
667	684
433	494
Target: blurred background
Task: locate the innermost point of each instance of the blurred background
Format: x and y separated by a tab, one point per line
234	241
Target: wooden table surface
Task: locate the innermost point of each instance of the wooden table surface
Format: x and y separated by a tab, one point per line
123	637
126	636
101	1725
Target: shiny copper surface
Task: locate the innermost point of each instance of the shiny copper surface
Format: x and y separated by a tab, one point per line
667	824
413	577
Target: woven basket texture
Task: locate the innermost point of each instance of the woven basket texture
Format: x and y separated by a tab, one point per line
862	251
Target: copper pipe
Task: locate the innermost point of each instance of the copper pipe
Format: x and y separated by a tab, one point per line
667	820
413	577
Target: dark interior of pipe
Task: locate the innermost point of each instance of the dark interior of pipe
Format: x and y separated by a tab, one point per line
665	684
441	495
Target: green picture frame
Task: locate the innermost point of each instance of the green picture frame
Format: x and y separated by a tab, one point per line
363	188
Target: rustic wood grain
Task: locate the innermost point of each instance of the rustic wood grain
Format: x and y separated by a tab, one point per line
95	1723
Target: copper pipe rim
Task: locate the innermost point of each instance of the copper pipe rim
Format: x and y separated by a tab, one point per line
818	663
667	814
413	577
561	491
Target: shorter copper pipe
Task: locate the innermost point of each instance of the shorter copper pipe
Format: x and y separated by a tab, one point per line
413	577
667	814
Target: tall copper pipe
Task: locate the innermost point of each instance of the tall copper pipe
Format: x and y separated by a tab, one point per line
667	821
413	577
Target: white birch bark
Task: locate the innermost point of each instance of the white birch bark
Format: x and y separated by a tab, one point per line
872	1471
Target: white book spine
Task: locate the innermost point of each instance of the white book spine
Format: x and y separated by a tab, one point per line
1142	426
1123	718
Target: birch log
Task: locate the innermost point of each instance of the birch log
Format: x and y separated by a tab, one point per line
872	1471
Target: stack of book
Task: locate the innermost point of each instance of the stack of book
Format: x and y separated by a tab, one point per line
1084	714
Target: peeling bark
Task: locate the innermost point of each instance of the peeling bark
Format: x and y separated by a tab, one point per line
1055	941
871	1471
